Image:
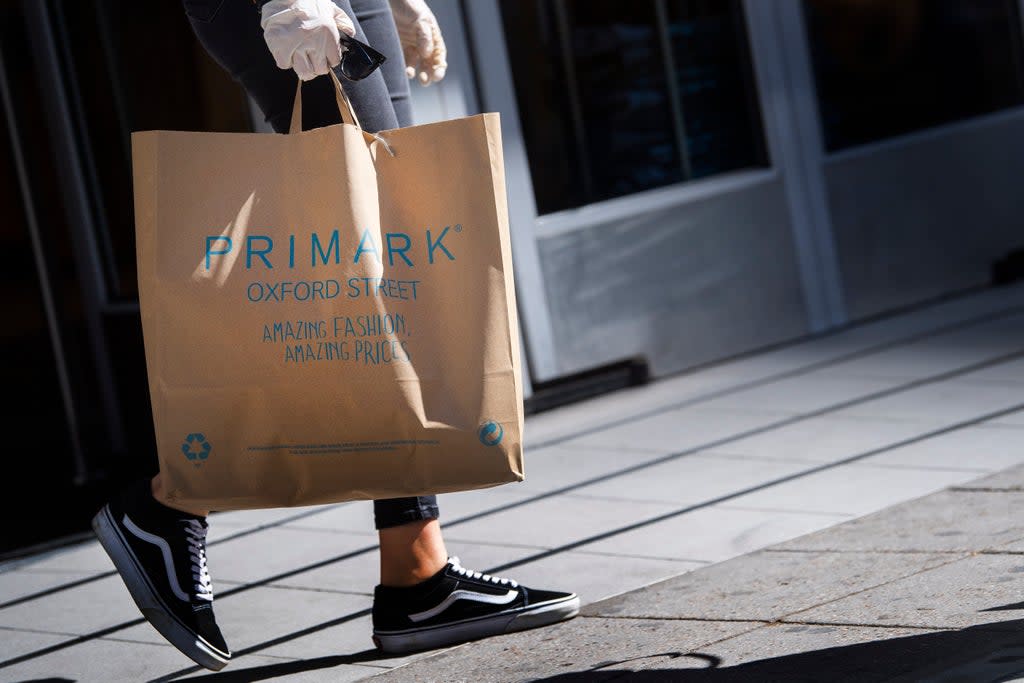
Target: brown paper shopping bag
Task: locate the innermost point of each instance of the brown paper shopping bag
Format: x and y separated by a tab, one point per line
328	315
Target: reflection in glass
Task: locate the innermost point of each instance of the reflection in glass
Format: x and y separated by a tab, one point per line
615	98
883	68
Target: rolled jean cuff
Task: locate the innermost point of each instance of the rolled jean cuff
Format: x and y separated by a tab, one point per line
393	512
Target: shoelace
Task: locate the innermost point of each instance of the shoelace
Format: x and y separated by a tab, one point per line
195	532
480	576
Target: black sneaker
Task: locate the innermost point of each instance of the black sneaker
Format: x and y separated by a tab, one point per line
456	605
161	555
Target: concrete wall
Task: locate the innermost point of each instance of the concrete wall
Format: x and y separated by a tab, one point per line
679	286
927	214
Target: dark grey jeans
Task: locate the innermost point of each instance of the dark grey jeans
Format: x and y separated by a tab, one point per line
230	32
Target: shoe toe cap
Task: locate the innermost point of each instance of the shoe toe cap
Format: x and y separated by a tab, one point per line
536	596
209	631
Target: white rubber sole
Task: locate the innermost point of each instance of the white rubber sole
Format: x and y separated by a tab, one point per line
412	640
149	601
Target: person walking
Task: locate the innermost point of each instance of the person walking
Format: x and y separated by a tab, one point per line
425	599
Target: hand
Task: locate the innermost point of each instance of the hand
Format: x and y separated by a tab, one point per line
425	53
303	34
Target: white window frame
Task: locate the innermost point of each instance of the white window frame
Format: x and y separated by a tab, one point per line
781	66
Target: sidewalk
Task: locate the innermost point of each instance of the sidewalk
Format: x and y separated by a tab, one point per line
929	590
682	478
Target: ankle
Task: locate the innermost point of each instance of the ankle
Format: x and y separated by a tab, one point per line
411	553
406	577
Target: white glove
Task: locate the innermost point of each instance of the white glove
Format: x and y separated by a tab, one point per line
425	53
303	34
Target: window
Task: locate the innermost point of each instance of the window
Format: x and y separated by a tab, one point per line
616	98
124	76
883	68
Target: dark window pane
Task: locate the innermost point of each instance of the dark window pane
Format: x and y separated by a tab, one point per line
123	76
623	97
884	68
616	98
716	87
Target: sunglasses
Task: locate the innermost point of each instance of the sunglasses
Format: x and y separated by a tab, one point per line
359	60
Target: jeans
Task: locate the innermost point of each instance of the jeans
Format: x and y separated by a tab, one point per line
230	32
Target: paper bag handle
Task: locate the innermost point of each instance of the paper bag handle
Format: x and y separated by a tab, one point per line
348	114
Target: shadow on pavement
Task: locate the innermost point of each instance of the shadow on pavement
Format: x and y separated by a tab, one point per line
269	671
978	653
1005	608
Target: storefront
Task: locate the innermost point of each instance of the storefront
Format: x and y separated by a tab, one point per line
691	180
688	179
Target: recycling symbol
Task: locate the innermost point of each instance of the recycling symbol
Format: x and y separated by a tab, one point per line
491	433
196	447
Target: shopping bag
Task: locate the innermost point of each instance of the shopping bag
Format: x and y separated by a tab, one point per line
328	315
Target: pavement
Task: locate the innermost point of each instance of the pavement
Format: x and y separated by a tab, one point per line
833	509
928	590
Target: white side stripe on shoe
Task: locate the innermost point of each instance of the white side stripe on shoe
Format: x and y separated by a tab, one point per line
464	595
165	549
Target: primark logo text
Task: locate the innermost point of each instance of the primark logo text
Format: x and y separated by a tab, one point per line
398	248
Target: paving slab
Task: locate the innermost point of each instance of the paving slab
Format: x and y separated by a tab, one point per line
853	489
78	611
803	394
251	519
971	448
679	430
569	648
827	438
1012	547
20	583
102	660
690	479
765	585
941	353
937	320
558	467
1015	419
1012	371
86	556
948	401
356	576
712	534
595	576
1010	479
279	550
351	518
16	642
972	591
600	412
946	521
553	522
455	506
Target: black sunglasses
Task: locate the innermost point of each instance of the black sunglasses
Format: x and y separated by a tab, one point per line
359	60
